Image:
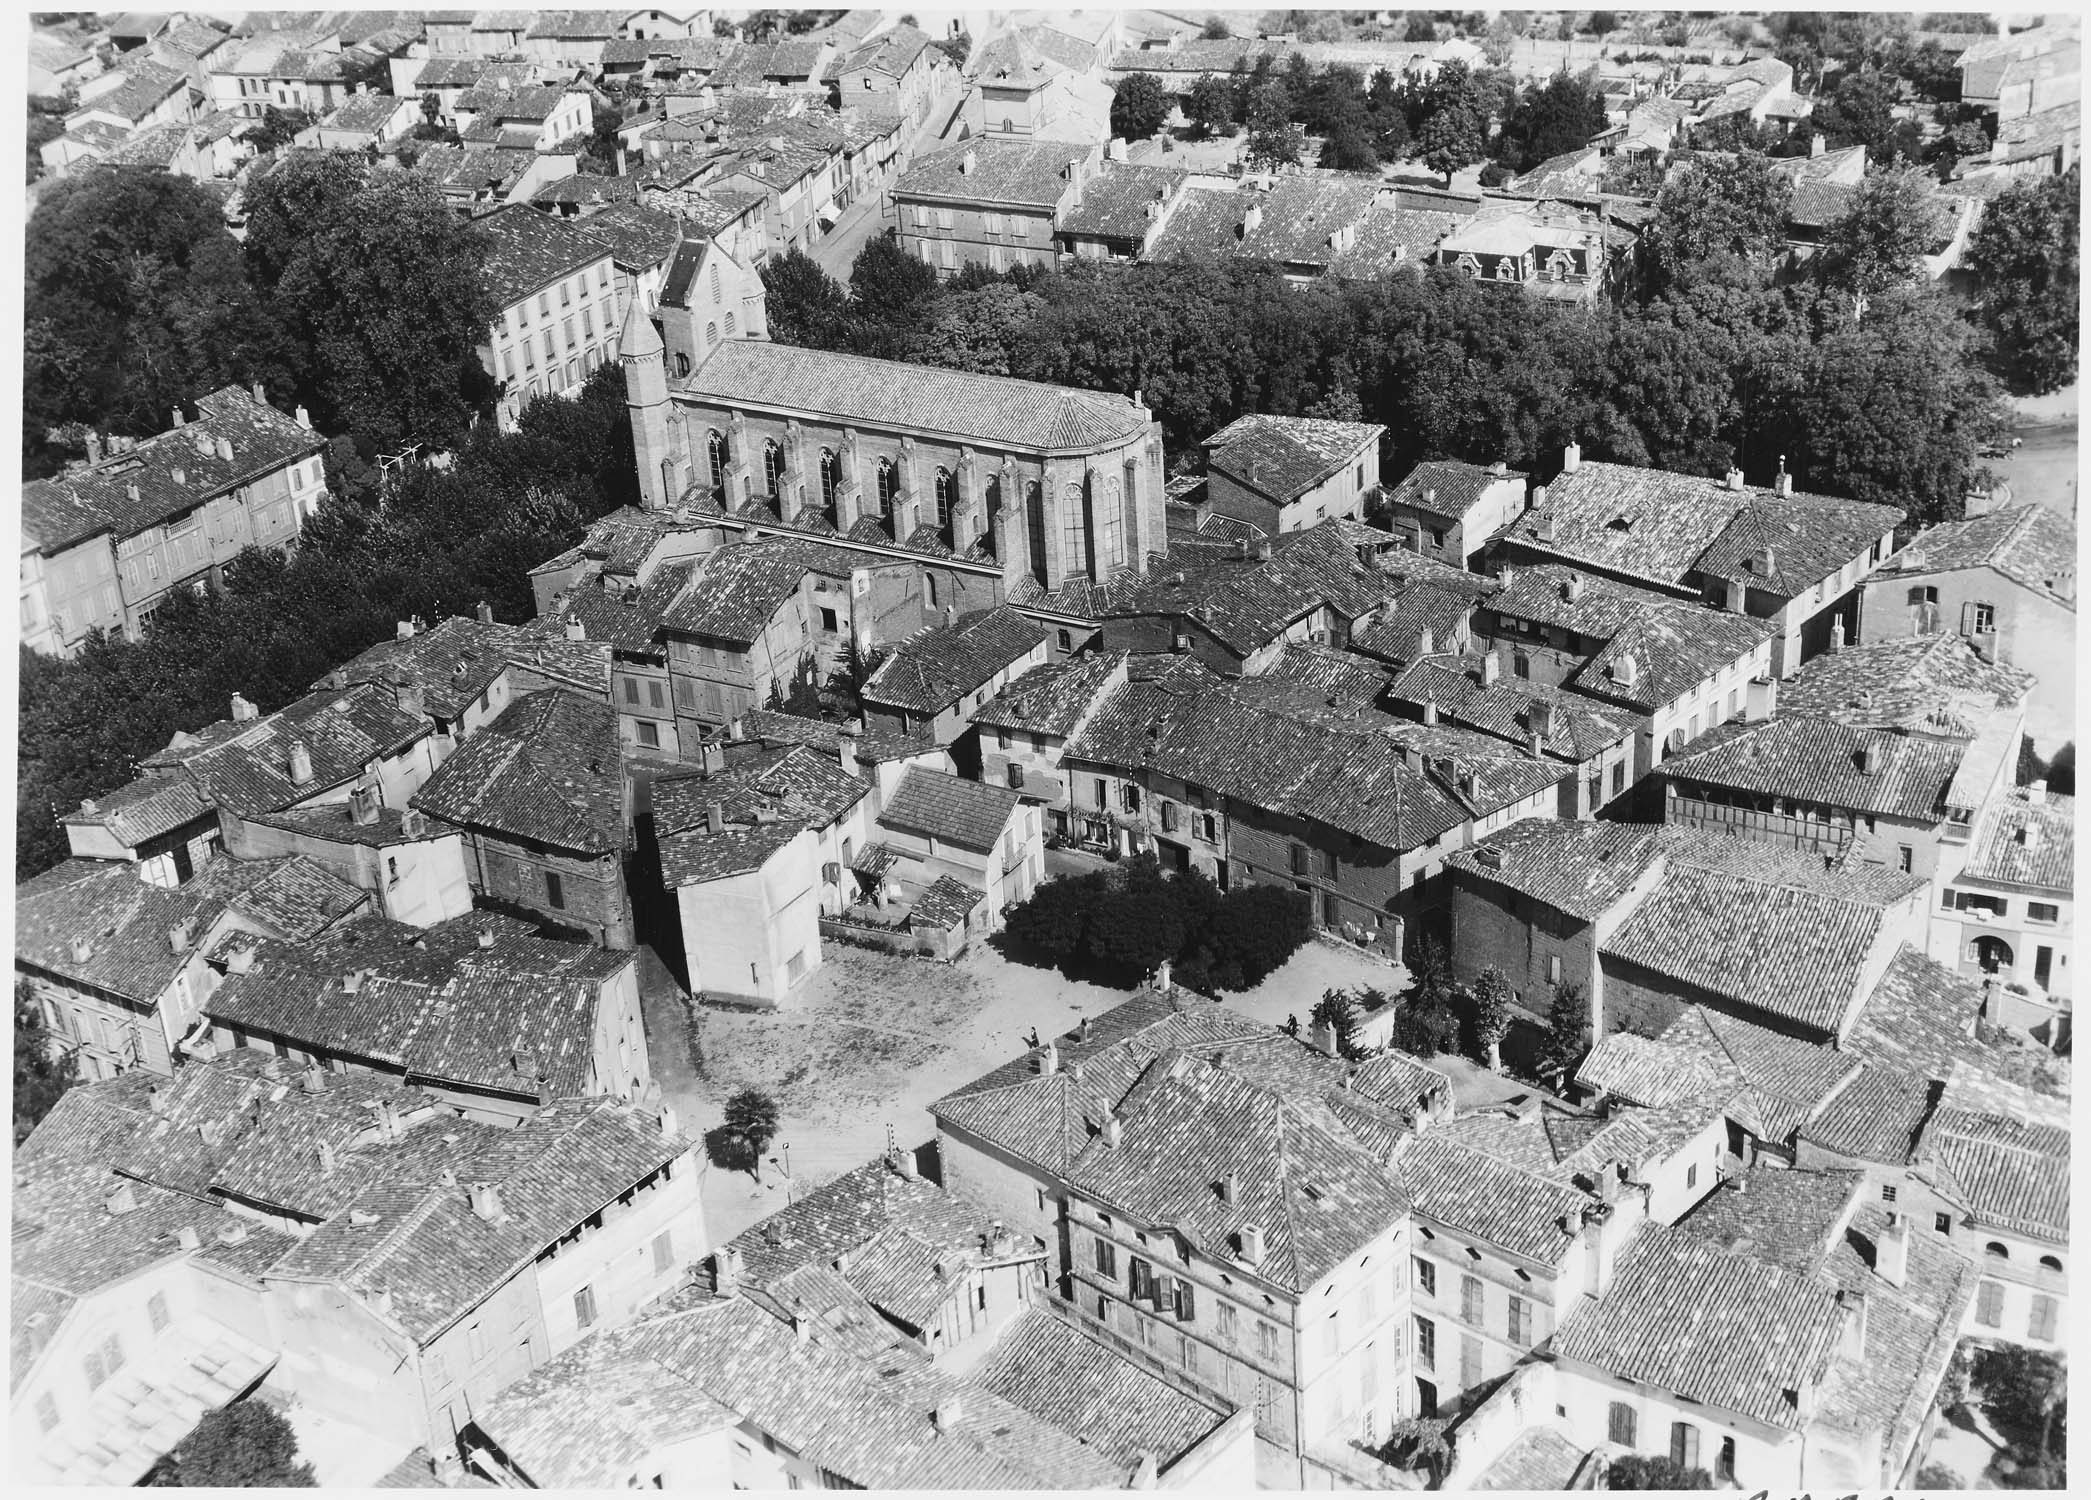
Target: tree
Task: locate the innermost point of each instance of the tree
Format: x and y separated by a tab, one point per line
1560	115
1139	106
1940	1477
1498	42
1640	1471
1450	140
46	123
1859	112
42	1072
1337	1010
278	127
1426	1024
248	1445
1419	27
1602	23
1215	29
1351	148
1882	238
1209	104
2023	259
1491	1012
1713	212
2026	1391
804	304
752	1115
887	285
384	294
1140	923
1419	1443
974	330
1277	146
1567	1034
136	301
957	48
1054	918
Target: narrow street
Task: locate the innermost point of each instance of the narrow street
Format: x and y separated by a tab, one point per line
867	216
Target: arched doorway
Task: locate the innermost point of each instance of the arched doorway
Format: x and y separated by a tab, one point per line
1992	955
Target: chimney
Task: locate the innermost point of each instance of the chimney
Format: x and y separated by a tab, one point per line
1165	975
315	1079
2029	836
188	1238
409	697
1115	150
1537	498
1491	669
1817	145
225	449
300	762
1049	1058
670	1122
1323	1036
1837	633
903	1163
1869	758
950	1411
363	805
1251	221
82	950
969	163
1231	1188
178	937
1263	550
1572	587
486	1201
403	630
1733	479
846	747
575	630
1251	1237
1114	1131
179	419
1626	672
179	476
326	1156
486	937
1891	1252
1426	642
1853	1340
94	447
304	418
1782	483
2037	793
1571	458
726	1271
1430	710
239	961
260	397
1146	1475
1183	644
714	818
351	981
1543	527
243	712
485	612
737	730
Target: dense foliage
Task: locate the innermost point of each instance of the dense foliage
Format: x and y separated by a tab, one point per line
435	544
41	1074
1427	1022
1139	106
2023	259
1641	1471
248	1445
1129	920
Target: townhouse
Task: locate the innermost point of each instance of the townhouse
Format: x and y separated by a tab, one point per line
114	537
2007	914
993	202
534	117
541	799
897	72
1449	511
1024	729
1778	554
2004	582
491	1019
1289	473
1032	83
479	180
534	348
959	853
1683	667
1651	920
496	1248
1122	209
118	965
933	681
1548	249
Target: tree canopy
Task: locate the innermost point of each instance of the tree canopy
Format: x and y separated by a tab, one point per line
247	1445
2023	258
41	1072
1558	116
1139	107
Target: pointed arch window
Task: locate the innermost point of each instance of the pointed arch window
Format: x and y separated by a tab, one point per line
830	476
773	468
889	486
946	489
715	450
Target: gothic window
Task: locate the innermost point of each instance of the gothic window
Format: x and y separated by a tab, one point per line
889	486
1074	526
715	448
946	490
993	505
829	477
773	468
1035	525
1110	528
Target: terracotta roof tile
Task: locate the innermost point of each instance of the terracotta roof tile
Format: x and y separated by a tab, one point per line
967	813
2018	841
933	669
550	769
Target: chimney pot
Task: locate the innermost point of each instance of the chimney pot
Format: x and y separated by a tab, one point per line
300	762
714	818
179	419
1571	458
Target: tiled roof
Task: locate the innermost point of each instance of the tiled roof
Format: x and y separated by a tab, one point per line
456	660
946	905
740	588
1875	1117
1920	1018
1026	173
851	388
1304	219
1789	1219
59	512
1792	953
550	770
143	810
1643	1071
1539	1458
125	922
1283	457
144	85
2001	1152
1818	761
484	1026
528	249
891	52
2022	842
578	25
1116	198
1577	726
476	169
638	236
970	814
246	766
1047	1365
1772	1082
1051	699
1934	683
1480	1195
1725	1330
1448	488
792	729
1650	523
932	669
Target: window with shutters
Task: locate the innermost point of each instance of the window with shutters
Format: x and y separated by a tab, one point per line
1187	1353
1141	1279
1619	1424
631	690
1267	1341
1684	1445
1470	1298
1302	857
1520	1321
1724	1466
663	1252
584	1307
1469	1360
1226	1318
156	1310
555	891
653	695
1186	1299
1426	1343
1107	1259
649	734
2041	1325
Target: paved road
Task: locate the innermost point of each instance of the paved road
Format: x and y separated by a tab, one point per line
867	216
2043	468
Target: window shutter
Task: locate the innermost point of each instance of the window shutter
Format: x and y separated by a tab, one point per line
1186	1301
1684	1445
1620	1427
2042	1324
